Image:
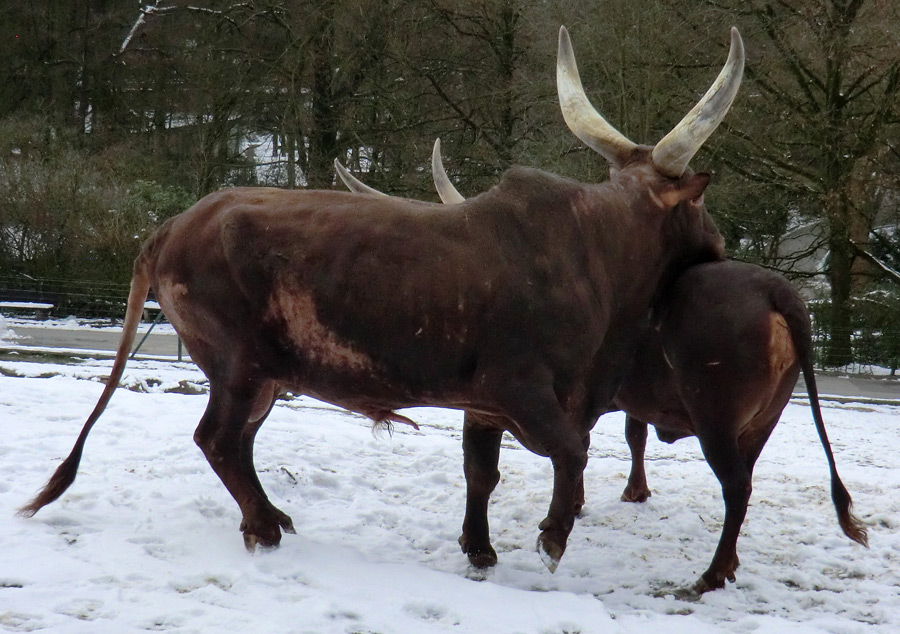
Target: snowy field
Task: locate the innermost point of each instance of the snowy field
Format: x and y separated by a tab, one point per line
147	538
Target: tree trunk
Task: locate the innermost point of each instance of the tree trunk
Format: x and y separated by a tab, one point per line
839	350
290	150
323	136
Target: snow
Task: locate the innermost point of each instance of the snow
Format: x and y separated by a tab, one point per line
6	334
147	537
9	323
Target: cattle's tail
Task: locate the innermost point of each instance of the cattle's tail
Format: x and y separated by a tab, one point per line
797	319
65	474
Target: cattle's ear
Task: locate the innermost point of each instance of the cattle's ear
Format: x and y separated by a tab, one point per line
686	189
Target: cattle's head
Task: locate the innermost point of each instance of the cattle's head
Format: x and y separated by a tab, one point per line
657	175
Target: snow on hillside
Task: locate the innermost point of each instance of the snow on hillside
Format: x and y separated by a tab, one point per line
147	538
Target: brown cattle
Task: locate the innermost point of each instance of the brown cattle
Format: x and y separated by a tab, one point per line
720	362
522	304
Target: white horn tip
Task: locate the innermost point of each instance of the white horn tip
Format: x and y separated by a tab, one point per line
564	40
737	42
448	194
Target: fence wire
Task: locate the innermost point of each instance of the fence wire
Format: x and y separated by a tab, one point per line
81	298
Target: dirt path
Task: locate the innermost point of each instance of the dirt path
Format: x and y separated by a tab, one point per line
90	339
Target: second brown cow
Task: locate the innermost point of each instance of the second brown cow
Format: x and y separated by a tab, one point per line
720	362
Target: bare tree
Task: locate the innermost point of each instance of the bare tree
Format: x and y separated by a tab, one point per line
824	78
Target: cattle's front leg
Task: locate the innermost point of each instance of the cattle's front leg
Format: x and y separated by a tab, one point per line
248	467
528	400
636	435
579	487
568	453
481	455
568	468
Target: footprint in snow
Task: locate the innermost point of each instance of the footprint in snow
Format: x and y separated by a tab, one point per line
431	612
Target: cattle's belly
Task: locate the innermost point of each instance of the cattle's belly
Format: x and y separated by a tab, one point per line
660	407
359	384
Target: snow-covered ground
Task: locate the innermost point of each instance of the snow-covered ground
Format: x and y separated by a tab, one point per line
147	537
8	325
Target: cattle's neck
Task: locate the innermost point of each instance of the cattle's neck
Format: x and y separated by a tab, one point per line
634	249
626	247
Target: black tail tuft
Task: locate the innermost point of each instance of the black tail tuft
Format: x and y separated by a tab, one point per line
850	524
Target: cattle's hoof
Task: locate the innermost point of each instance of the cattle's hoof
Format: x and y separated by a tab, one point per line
260	538
252	542
551	543
702	586
635	494
550	551
708	582
478	557
483	559
714	578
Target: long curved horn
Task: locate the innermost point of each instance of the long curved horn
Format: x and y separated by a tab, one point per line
445	189
582	118
672	154
354	184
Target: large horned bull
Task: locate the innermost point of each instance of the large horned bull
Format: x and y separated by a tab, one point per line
522	304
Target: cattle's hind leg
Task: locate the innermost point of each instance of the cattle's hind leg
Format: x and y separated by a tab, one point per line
730	466
481	455
247	437
226	434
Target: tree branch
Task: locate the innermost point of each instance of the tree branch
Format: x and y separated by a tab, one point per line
891	273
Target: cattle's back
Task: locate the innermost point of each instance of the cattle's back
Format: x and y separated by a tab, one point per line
415	293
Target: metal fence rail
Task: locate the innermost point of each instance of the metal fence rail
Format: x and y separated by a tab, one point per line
82	298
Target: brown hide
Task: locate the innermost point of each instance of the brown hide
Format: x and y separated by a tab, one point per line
720	362
713	351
